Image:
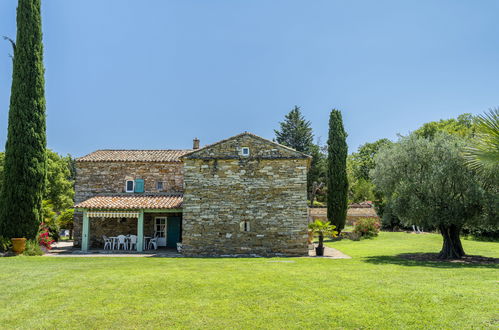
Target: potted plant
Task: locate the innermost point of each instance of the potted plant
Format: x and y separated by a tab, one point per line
18	245
322	229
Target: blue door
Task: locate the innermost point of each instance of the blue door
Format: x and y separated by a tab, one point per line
173	231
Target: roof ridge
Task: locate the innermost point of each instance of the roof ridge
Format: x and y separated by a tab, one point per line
142	150
241	134
134	155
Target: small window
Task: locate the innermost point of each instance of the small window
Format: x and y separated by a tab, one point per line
159	185
129	186
245	151
244	225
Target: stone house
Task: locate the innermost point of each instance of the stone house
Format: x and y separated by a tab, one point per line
241	196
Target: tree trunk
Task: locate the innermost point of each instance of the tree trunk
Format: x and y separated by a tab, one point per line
71	234
452	247
321	240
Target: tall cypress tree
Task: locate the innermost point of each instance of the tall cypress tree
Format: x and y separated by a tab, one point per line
337	183
25	158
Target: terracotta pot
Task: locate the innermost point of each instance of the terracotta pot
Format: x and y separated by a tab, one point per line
18	245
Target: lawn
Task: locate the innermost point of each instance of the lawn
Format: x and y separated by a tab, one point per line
374	289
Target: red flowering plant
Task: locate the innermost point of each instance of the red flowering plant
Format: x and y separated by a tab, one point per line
44	237
367	227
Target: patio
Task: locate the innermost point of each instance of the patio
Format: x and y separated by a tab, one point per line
130	223
66	249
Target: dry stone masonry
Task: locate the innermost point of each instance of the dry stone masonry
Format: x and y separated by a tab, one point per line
245	205
243	196
102	177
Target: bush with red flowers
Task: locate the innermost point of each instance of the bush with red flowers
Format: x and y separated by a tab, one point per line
44	236
367	227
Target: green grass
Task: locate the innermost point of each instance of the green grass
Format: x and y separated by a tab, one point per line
375	289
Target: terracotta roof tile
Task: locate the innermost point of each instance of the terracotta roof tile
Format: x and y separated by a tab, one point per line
134	156
133	202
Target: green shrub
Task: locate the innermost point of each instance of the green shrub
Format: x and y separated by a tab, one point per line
5	244
367	227
33	248
483	232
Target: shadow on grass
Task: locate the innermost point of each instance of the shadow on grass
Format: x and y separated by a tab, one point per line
431	260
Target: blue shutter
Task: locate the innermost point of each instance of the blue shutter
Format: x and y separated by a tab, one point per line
139	185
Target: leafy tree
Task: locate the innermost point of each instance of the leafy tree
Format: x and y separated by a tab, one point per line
295	132
429	185
25	158
463	126
59	191
59	187
337	181
359	164
360	191
363	161
65	221
316	177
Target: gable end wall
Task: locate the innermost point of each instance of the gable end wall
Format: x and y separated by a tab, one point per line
221	193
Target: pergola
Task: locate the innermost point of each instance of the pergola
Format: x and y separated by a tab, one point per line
126	206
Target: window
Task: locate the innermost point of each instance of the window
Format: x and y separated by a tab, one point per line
159	185
160	228
129	186
244	225
245	151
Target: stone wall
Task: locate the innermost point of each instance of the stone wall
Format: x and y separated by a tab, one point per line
223	192
353	214
94	178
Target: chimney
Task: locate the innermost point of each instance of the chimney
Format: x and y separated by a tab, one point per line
195	143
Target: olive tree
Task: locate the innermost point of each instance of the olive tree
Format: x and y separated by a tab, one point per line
428	184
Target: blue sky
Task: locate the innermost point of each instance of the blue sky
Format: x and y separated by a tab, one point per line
155	74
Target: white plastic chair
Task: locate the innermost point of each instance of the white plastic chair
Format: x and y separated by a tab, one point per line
122	242
107	242
179	247
153	243
133	242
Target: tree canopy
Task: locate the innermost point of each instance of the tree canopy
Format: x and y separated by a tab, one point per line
295	132
59	187
462	126
428	184
359	165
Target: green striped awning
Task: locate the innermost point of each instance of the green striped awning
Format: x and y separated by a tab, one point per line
113	214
